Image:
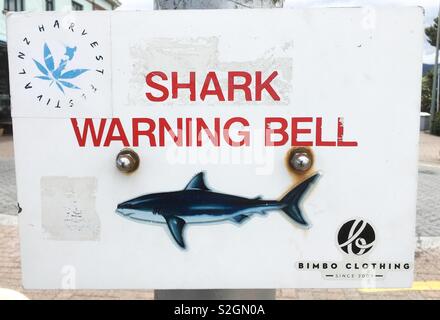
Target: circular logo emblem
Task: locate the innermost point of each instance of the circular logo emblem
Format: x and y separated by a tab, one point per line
60	63
356	237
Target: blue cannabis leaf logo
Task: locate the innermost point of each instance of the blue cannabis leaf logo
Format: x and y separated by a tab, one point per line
57	75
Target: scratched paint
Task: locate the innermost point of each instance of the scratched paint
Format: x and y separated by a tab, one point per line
200	54
68	208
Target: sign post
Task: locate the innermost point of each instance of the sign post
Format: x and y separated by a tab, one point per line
226	149
213	294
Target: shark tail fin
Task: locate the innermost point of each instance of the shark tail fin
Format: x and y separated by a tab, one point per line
293	198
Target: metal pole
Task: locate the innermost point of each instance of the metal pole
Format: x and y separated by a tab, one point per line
214	294
438	91
435	77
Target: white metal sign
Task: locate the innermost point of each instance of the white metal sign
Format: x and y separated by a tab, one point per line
277	148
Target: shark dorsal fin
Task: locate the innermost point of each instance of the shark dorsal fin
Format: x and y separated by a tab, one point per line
197	183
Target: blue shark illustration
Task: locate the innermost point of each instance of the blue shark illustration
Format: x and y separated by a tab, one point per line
198	204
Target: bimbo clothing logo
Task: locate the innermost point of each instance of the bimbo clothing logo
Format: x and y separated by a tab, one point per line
59	62
356	237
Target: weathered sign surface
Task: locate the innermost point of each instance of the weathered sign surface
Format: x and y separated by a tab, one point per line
214	102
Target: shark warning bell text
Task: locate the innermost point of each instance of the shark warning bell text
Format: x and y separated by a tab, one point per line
188	132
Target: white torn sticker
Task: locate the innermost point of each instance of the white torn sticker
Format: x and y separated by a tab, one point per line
68	208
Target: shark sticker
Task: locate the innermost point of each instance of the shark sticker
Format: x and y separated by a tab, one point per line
196	203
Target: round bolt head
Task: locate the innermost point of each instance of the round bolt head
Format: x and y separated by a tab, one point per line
301	161
125	163
127	160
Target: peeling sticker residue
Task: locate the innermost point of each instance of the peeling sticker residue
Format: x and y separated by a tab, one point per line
68	208
201	54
